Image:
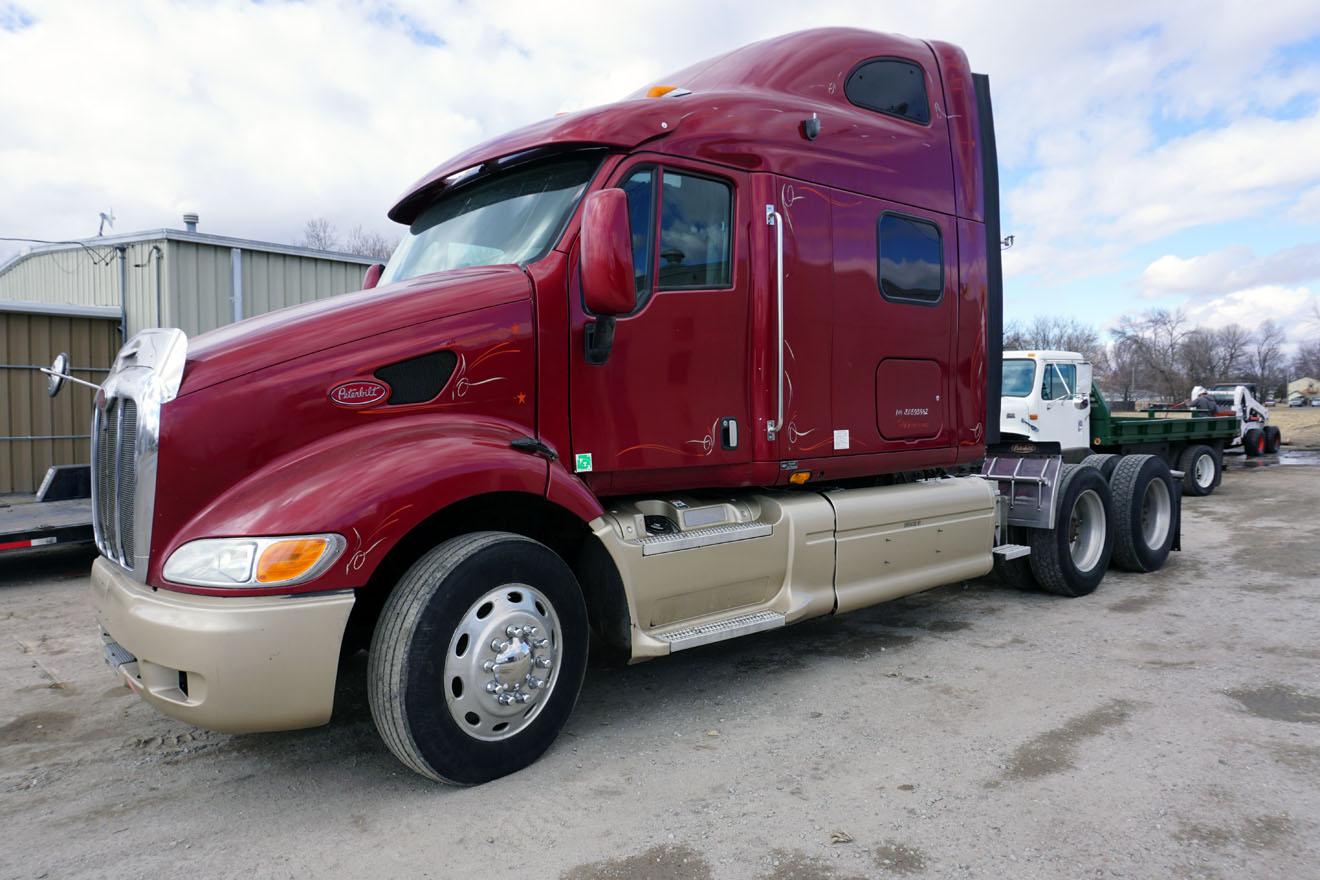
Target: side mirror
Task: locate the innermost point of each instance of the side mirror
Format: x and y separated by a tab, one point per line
609	287
372	276
58	373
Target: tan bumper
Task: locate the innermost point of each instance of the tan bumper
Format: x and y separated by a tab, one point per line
247	664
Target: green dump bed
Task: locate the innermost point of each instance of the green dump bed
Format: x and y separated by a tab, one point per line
1156	426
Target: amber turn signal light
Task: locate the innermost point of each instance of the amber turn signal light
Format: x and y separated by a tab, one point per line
800	477
289	559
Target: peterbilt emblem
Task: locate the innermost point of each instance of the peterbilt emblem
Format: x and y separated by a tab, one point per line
358	394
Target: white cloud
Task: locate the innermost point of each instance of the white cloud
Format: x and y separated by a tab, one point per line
1230	269
260	115
1290	307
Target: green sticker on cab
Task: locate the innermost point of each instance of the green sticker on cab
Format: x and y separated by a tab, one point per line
582	462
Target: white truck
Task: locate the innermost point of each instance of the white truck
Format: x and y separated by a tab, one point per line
1049	397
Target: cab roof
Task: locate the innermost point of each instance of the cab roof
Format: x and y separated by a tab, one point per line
746	109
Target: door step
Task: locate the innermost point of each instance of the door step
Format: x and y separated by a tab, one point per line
708	537
1012	551
719	630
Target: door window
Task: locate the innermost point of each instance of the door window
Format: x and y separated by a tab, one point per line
695	218
911	259
640	188
1059	382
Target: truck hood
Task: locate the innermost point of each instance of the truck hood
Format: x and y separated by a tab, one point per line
283	335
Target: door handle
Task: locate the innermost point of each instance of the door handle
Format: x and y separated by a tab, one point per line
772	218
729	433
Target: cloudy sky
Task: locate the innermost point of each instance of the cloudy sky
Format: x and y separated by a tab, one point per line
1153	154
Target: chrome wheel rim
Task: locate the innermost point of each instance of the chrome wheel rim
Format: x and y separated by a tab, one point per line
1156	513
1204	471
502	662
1086	530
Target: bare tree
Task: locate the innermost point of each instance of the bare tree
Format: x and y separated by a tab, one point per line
319	233
1306	363
369	244
1266	349
1156	339
1059	334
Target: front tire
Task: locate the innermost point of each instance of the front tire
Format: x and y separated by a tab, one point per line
478	658
1143	513
1071	559
1273	439
1253	442
1202	470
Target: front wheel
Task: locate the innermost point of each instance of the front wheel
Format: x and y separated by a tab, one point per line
1273	439
478	657
1071	558
1253	442
1201	469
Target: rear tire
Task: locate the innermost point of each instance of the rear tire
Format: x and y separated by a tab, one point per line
466	603
1143	513
1104	462
1202	470
1253	442
1273	439
1070	559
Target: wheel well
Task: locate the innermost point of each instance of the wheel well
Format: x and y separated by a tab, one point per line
528	515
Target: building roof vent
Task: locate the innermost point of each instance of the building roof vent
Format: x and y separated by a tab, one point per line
190	222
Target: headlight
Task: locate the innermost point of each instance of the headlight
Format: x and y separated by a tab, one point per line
253	562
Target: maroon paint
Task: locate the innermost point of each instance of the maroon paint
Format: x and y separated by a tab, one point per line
254	446
608	285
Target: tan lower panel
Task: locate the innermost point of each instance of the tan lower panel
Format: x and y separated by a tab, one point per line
789	571
896	540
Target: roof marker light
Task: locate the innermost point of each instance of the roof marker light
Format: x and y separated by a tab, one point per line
667	92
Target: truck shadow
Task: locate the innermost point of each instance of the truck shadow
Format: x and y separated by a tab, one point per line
680	690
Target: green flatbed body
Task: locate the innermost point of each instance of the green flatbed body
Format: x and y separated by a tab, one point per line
1156	426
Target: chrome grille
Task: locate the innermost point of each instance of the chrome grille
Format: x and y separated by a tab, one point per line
126	442
114	470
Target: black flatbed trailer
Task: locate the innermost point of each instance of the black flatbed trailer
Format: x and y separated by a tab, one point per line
60	513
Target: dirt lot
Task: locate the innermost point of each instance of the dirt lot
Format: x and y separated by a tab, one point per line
1167	726
1300	425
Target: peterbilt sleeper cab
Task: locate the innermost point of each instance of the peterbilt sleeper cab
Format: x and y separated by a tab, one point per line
699	364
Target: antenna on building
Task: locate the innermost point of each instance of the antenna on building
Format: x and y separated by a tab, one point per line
106	220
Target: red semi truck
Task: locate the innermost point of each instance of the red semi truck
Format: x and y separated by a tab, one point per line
717	358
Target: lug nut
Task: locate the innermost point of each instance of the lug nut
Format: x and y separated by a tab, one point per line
495	645
529	631
543	662
542	643
491	687
513	631
505	699
489	666
535	683
520	698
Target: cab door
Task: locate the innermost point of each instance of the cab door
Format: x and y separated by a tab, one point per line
673	392
1065	392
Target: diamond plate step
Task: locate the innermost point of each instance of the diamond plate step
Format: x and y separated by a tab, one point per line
1012	551
653	544
719	630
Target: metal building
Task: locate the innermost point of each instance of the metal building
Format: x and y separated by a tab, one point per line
86	297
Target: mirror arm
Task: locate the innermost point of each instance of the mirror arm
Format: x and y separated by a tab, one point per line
599	339
49	372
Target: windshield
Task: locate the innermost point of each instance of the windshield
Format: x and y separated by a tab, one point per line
1019	376
514	217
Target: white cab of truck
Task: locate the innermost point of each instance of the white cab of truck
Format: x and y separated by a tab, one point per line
1046	397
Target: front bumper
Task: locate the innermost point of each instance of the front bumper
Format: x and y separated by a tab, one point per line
232	664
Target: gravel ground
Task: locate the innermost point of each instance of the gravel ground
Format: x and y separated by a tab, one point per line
1167	726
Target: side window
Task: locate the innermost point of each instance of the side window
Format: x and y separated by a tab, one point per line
695	220
640	188
911	258
1060	381
890	86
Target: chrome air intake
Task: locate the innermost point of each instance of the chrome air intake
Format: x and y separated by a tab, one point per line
125	439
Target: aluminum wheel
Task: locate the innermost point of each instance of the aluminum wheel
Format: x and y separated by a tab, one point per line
1204	471
502	662
1086	530
1156	513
